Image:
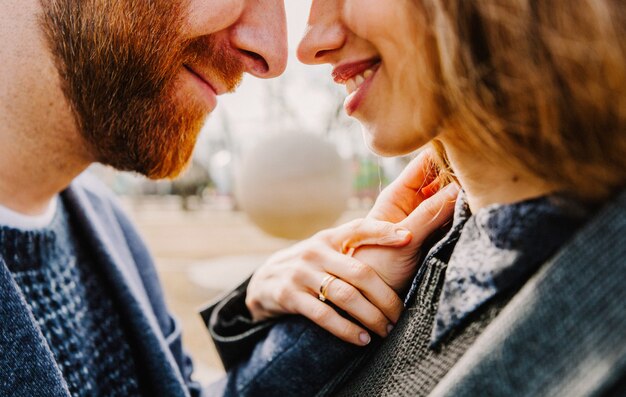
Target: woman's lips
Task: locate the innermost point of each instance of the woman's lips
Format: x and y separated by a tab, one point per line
357	76
342	73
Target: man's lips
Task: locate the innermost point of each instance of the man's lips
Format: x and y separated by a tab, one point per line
346	71
204	79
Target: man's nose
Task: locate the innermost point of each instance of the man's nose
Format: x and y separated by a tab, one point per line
261	38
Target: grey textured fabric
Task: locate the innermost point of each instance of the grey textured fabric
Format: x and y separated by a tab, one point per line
490	255
68	296
27	365
418	368
564	333
499	248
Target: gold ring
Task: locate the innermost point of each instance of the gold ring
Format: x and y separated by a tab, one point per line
324	286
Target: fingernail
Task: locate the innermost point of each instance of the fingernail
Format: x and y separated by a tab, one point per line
364	337
431	188
403	233
389	328
452	188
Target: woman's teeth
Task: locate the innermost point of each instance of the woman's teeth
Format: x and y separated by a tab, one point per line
354	83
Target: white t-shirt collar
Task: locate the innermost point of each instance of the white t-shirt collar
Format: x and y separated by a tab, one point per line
16	220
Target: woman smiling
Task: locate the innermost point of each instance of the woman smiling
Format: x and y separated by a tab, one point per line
524	103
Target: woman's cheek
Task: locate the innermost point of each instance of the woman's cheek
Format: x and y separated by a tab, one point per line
366	18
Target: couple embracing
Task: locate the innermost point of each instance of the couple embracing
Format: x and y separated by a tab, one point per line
492	266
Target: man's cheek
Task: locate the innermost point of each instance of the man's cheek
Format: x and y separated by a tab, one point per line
207	17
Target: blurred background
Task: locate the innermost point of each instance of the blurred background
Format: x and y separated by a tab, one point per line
276	162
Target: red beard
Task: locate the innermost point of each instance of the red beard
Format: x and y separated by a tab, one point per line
119	63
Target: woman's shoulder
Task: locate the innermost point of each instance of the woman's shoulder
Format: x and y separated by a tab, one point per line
570	312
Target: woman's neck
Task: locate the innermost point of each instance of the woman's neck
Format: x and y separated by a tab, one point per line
486	183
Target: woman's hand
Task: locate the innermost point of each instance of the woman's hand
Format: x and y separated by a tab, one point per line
413	202
417	182
289	282
396	266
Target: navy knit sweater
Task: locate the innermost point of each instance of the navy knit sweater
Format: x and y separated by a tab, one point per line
67	295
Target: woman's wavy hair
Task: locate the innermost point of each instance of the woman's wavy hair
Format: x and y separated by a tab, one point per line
542	83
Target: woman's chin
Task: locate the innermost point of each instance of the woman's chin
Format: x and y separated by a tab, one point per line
385	143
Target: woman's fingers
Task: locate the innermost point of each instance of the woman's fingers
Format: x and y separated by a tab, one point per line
362	305
298	269
348	298
326	317
432	213
290	281
370	285
361	232
404	194
418	173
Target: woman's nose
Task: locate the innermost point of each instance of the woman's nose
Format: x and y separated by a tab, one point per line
324	34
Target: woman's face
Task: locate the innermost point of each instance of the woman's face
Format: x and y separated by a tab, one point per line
381	53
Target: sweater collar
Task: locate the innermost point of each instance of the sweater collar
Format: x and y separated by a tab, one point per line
498	248
28	249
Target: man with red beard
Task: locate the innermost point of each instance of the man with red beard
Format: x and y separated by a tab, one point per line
126	83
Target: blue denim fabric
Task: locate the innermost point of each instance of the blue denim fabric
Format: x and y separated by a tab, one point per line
296	358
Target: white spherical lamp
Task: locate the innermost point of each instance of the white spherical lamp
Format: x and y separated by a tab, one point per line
292	185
